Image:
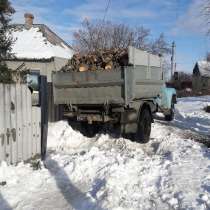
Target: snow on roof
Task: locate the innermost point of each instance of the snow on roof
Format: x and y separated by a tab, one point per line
38	42
204	68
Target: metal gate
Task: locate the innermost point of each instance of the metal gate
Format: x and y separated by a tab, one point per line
20	124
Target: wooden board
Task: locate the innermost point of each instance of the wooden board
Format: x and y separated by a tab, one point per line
20	132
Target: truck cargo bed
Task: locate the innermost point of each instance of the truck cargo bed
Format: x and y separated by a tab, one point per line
119	86
141	79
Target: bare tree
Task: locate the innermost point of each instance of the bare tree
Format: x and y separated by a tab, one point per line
102	35
160	46
107	35
205	14
166	68
141	38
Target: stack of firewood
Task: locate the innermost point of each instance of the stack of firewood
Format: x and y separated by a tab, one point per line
98	60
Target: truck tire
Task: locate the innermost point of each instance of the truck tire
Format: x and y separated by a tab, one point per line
144	127
89	130
170	117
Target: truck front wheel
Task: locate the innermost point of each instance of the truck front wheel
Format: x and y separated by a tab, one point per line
170	116
144	127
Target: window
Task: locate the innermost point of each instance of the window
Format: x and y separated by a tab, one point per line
33	80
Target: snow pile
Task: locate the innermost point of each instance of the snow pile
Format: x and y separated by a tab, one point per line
170	172
190	114
33	45
63	138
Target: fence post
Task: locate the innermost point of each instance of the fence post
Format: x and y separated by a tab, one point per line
44	114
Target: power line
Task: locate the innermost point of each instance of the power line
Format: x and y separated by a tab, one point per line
106	9
105	13
173	57
177	9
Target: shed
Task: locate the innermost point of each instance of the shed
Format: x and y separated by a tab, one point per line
201	76
38	48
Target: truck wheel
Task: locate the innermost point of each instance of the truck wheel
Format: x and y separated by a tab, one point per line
144	127
90	130
170	117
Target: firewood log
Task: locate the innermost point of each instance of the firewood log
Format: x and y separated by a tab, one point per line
98	60
83	67
109	66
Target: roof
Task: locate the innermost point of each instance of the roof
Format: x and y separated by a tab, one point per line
38	42
204	68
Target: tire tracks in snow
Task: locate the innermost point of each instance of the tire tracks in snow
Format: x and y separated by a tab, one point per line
186	133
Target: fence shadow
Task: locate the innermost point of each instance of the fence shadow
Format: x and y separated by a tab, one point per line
75	197
4	205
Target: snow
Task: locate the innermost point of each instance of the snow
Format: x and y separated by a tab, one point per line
170	172
204	68
190	114
31	44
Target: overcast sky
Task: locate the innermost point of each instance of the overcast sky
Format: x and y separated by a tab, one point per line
179	20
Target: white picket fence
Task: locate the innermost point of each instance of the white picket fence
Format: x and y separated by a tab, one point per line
20	124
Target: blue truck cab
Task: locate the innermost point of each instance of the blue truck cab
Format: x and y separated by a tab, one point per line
166	101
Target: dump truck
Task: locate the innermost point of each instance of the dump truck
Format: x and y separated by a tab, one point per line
123	99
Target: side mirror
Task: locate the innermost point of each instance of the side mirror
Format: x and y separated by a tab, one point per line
33	81
34	87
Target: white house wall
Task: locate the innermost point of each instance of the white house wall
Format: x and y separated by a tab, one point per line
45	67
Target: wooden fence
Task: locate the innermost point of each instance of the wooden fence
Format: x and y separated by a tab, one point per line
20	124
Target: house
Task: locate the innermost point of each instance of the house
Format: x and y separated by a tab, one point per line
201	76
39	49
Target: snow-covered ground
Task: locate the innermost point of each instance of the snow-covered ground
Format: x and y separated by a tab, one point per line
170	172
189	114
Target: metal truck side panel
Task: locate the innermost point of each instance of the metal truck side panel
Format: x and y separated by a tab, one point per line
143	79
117	86
143	58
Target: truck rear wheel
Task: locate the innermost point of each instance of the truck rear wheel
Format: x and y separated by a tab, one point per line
84	128
144	127
89	130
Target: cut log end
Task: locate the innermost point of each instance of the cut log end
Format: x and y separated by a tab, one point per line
83	68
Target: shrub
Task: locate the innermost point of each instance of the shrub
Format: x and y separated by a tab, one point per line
207	108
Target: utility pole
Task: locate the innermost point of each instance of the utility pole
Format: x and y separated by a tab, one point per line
173	62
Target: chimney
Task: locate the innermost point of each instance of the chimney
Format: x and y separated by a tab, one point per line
29	19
